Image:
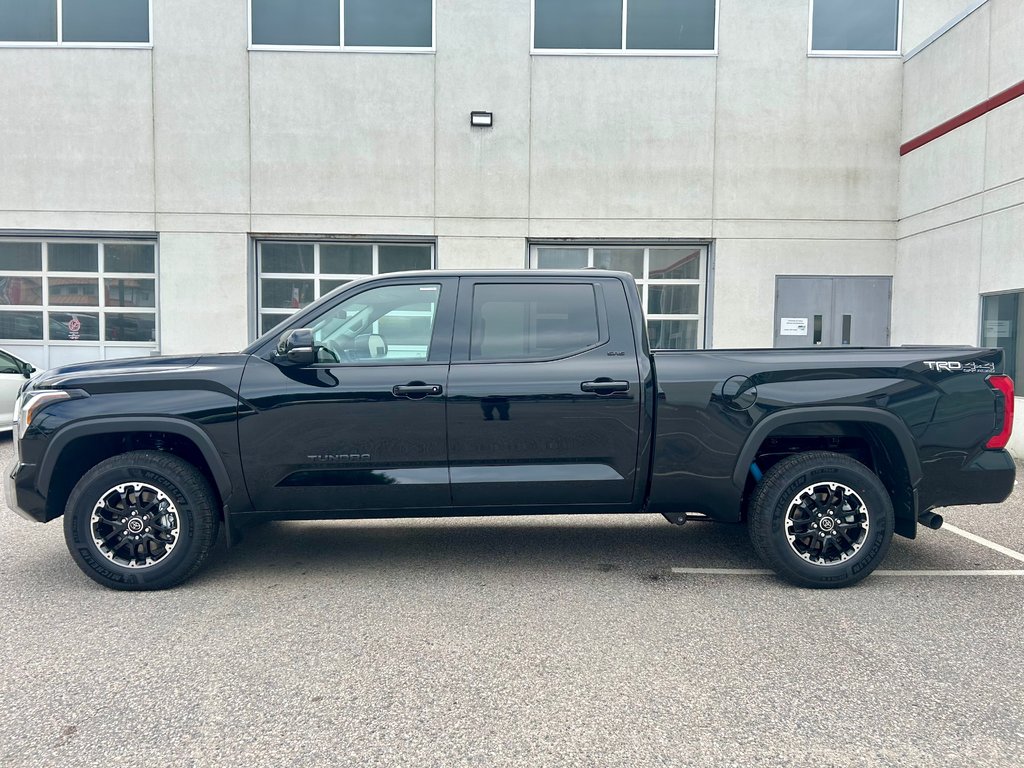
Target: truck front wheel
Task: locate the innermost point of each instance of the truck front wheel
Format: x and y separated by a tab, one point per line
821	520
141	520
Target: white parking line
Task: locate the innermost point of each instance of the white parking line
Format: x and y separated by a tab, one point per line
928	572
725	571
984	542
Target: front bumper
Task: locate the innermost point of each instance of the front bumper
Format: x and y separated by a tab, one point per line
20	492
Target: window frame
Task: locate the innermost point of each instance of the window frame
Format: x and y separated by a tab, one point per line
101	309
317	275
703	280
60	42
837	54
622	50
342	48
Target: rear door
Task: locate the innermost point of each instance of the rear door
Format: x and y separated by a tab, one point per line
543	393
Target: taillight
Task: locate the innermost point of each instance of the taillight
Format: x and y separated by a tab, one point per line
1003	384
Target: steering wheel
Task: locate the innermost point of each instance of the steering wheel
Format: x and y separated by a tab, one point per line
332	348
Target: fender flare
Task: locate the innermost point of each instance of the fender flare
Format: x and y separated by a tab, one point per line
114	425
769	424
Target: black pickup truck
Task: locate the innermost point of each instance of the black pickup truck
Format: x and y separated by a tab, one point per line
505	393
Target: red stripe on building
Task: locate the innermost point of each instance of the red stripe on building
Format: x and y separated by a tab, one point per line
964	117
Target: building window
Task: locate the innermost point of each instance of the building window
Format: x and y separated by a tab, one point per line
75	22
855	27
406	25
293	274
95	297
671	281
1002	325
625	26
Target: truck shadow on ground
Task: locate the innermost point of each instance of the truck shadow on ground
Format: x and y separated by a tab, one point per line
647	544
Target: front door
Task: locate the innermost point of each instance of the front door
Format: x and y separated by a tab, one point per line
363	428
832	311
543	394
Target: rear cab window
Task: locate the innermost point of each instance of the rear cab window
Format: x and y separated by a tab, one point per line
533	321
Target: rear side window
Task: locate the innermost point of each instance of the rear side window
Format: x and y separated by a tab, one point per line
532	321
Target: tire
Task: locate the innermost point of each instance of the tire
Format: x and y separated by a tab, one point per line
821	520
156	513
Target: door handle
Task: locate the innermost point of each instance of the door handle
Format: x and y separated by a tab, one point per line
416	389
605	386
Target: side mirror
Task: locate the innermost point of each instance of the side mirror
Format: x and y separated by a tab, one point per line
297	346
27	370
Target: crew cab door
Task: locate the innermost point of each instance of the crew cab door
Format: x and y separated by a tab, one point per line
363	427
543	393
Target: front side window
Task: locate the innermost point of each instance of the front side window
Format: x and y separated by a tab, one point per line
670	279
1002	325
855	26
292	275
83	22
342	24
623	26
390	324
534	321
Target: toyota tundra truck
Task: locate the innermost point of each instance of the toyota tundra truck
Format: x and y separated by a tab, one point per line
433	394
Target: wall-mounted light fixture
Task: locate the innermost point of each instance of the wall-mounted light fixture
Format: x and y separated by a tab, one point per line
481	119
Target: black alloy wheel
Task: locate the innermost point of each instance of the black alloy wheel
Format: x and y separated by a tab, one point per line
821	519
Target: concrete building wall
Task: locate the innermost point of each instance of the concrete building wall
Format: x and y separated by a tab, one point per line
961	201
786	162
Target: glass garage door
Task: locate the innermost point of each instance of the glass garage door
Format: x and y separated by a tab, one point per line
671	280
293	274
66	301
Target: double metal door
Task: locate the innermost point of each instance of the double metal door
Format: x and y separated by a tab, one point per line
832	311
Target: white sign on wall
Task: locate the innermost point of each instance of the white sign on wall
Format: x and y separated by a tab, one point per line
997	328
793	326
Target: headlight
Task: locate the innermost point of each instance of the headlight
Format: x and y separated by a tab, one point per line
26	408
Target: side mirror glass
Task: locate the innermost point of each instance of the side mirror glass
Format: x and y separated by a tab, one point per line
297	346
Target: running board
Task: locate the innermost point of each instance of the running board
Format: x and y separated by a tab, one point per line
678	518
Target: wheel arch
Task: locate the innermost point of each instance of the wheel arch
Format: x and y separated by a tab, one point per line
896	460
78	447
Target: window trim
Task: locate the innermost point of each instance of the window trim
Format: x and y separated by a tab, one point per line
839	54
622	50
342	48
60	43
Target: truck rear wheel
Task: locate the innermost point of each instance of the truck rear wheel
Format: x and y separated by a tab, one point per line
821	520
142	520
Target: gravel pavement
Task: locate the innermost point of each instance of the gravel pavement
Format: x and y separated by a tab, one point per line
560	641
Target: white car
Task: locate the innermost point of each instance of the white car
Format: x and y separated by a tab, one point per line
13	373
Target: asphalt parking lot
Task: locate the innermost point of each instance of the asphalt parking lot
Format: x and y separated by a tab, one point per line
519	642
